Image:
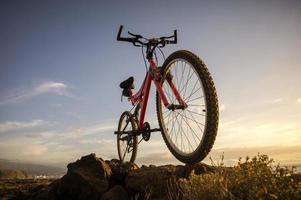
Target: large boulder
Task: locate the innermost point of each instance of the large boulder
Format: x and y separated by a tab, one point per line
116	193
151	179
119	171
86	178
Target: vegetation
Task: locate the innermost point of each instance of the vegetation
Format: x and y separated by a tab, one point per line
256	178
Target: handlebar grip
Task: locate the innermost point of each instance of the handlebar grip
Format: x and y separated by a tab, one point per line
176	37
119	33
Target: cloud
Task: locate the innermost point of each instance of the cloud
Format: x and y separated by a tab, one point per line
299	100
222	107
61	145
15	125
31	147
101	141
97	128
50	87
250	132
161	158
282	154
278	100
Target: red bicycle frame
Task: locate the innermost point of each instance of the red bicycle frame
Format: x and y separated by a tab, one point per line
143	94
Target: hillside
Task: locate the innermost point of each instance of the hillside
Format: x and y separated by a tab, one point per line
31	169
13	174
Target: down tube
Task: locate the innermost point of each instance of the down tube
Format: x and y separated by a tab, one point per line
145	99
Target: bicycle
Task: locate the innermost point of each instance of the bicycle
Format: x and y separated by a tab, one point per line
186	103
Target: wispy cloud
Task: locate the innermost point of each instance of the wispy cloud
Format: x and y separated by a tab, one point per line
51	87
93	141
58	145
15	125
282	154
278	100
79	132
249	133
161	158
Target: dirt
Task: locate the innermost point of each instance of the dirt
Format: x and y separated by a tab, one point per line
20	188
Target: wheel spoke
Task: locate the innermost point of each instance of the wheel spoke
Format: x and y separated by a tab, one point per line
168	119
180	125
195	112
196	105
192	94
185	86
176	134
196	122
172	128
192	130
192	91
195	99
182	74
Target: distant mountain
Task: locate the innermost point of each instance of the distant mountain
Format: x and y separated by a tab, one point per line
32	169
14	174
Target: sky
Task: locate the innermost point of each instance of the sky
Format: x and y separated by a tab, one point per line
60	69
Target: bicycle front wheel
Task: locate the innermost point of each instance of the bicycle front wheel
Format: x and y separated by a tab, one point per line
189	133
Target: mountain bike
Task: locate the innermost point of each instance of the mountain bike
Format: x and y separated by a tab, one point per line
186	103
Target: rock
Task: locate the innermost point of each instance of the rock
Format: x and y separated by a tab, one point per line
152	179
116	193
198	168
86	178
93	178
120	171
41	194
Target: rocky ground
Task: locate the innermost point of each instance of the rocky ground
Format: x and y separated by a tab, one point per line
21	188
94	178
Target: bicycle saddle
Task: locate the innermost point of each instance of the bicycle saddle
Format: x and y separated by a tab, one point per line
128	83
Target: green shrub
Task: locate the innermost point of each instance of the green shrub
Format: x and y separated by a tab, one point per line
256	178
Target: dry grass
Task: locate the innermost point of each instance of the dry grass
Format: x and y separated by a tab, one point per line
256	178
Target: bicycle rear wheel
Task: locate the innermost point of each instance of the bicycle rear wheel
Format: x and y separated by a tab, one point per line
127	144
189	133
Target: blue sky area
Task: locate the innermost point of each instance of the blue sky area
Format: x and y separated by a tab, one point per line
61	67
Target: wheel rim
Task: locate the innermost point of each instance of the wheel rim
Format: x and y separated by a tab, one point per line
184	129
125	146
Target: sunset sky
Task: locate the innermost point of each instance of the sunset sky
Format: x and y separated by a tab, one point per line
61	67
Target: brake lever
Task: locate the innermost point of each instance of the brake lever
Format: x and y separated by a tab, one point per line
135	43
135	35
161	45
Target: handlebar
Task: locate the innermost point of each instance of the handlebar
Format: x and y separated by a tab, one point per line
136	39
